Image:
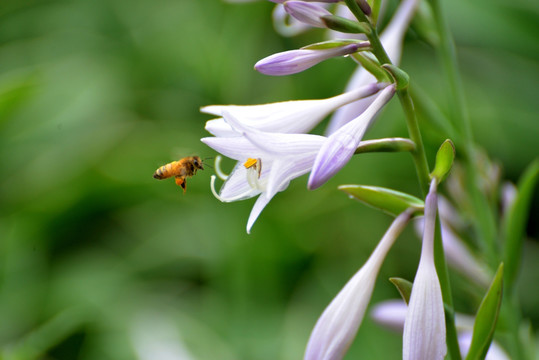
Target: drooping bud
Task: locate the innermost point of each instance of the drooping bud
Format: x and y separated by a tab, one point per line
295	61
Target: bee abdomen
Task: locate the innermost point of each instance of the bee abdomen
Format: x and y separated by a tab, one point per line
163	172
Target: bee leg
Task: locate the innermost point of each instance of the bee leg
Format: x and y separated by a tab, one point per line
181	182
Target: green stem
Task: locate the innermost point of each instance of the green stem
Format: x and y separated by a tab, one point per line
483	213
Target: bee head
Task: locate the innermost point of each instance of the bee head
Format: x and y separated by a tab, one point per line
197	162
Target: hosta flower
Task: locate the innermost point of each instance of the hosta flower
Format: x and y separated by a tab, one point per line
299	116
391	38
295	61
278	158
392	313
457	253
338	325
340	146
424	327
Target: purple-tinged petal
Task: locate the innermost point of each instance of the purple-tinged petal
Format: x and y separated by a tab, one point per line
236	187
307	13
424	327
340	146
284	170
336	328
295	61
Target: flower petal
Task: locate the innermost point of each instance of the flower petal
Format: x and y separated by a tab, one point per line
340	146
336	328
296	116
259	205
424	327
237	148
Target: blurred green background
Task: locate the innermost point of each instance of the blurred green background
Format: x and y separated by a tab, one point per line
100	261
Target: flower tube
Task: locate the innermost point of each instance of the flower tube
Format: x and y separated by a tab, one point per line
298	116
338	325
424	327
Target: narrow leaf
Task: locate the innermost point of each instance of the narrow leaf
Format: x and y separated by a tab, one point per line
388	200
486	318
515	223
331	44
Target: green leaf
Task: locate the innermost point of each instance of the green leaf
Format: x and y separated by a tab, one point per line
403	286
444	160
388	200
331	44
344	25
486	318
515	221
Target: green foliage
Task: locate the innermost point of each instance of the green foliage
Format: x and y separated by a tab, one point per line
486	318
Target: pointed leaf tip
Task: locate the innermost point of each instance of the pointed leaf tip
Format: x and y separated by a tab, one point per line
486	318
444	161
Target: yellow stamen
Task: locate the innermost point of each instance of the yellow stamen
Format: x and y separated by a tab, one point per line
250	163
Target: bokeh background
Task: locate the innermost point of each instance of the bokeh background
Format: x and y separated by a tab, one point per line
100	261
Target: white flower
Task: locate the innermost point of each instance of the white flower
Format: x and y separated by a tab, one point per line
391	38
336	328
457	253
424	327
282	157
297	116
392	313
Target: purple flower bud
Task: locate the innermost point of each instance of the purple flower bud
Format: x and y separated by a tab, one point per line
295	61
306	12
340	146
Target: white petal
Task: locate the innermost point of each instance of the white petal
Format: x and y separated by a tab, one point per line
237	148
259	205
424	327
336	328
390	314
236	187
284	170
219	127
296	116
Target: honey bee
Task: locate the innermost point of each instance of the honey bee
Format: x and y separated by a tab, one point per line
181	170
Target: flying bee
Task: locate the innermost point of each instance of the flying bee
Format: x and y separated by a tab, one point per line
181	170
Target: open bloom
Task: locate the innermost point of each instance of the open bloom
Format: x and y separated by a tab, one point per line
340	146
297	116
279	158
391	38
295	61
336	328
424	327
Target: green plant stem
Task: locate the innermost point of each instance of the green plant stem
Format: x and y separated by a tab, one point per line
483	213
422	168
